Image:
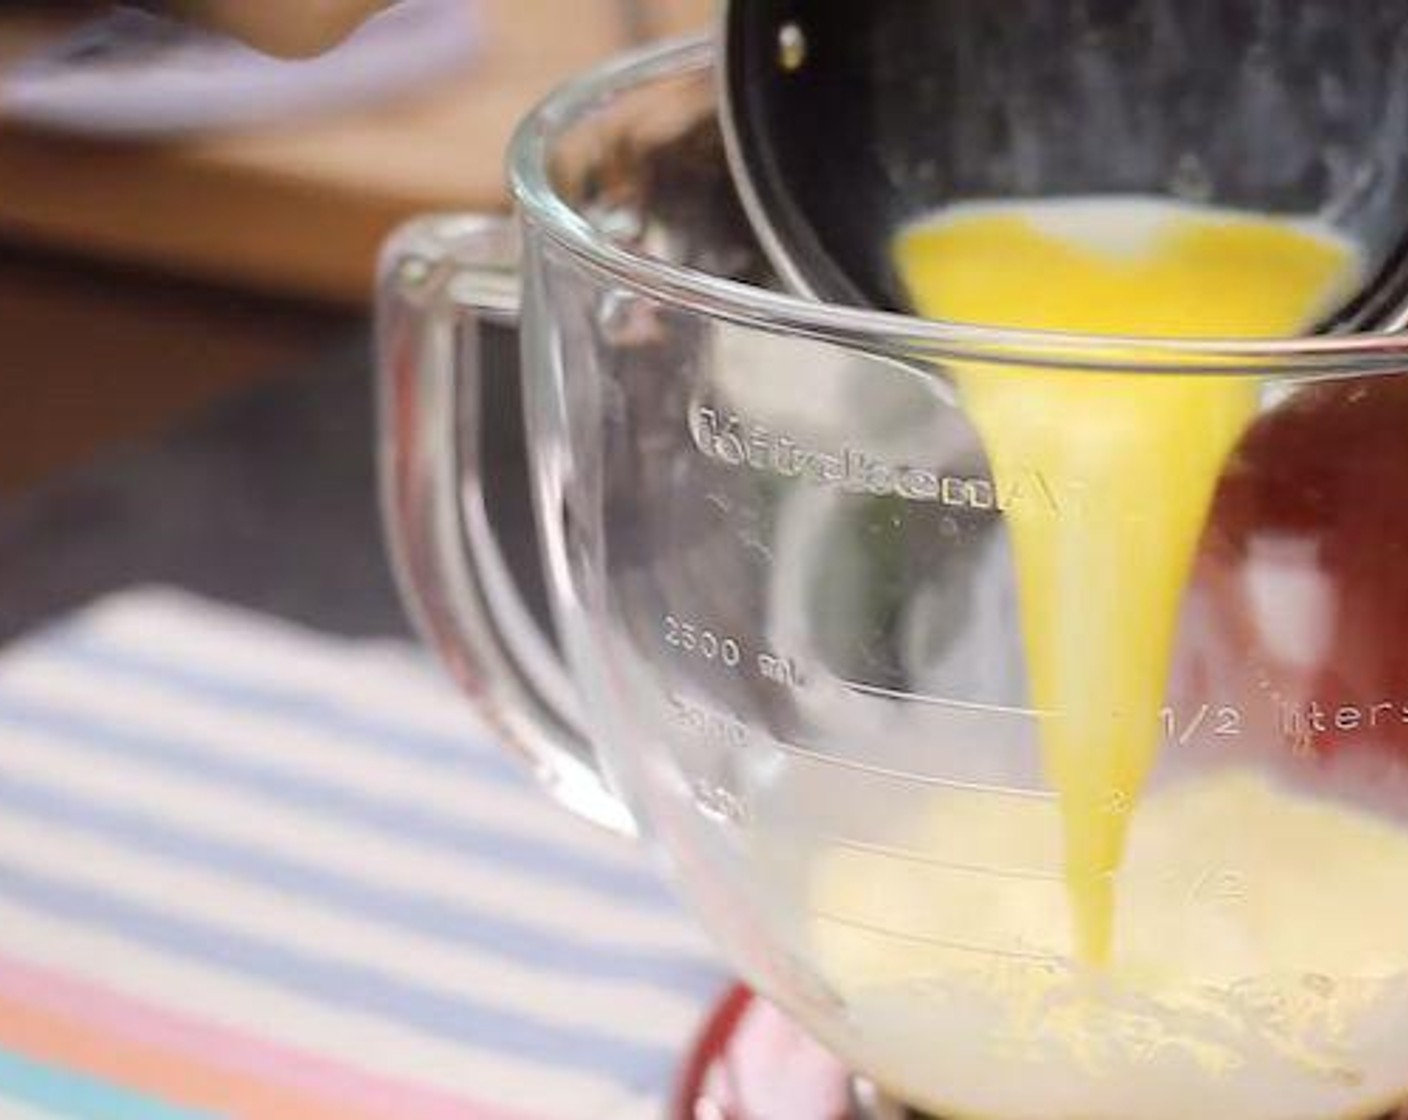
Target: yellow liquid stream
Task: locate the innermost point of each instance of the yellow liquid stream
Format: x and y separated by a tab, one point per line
1134	457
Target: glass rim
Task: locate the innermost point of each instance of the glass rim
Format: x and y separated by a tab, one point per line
867	329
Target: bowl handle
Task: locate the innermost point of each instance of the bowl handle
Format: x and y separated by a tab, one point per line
447	326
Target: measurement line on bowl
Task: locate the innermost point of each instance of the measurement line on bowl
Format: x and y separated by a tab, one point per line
810	754
912	856
930	700
937	942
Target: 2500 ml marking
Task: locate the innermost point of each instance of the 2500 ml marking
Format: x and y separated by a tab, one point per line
687	637
707	644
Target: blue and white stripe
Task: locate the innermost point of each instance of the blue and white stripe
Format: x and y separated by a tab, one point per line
306	838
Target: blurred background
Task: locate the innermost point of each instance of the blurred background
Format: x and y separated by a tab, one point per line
187	240
258	858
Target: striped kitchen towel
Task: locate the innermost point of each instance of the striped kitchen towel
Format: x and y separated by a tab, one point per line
250	870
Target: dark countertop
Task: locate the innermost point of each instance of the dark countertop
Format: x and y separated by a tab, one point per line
269	501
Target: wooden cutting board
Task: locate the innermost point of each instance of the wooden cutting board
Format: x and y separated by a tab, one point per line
301	210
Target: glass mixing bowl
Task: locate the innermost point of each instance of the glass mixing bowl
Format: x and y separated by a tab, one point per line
791	659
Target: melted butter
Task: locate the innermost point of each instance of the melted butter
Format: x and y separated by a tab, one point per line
1100	587
1251	959
1256	970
